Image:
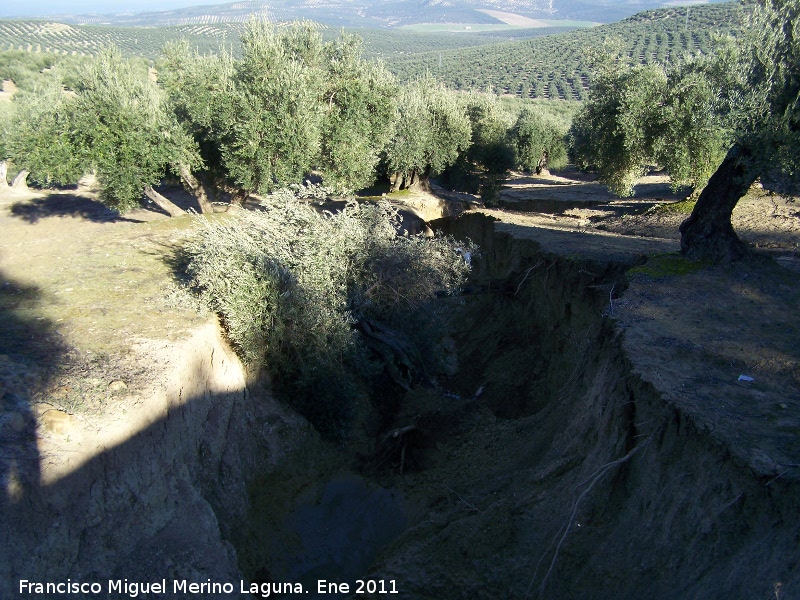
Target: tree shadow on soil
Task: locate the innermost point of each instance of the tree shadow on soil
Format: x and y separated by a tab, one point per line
31	351
44	525
65	204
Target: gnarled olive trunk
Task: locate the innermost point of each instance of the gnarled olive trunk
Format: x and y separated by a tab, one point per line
163	203
412	180
197	188
21	180
708	234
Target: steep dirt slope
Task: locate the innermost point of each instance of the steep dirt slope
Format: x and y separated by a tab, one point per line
129	429
586	456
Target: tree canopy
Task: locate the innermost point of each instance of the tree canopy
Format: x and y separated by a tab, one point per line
273	136
539	141
312	294
431	128
291	107
38	136
125	130
715	122
359	106
646	115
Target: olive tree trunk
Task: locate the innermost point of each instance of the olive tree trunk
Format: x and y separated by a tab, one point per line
197	189
163	203
3	174
708	234
21	180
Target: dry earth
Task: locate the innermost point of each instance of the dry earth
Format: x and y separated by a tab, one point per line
513	18
95	325
690	329
8	90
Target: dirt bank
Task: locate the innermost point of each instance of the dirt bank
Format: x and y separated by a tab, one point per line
573	473
130	430
590	437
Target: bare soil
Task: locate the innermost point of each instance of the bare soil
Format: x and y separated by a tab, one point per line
591	437
91	314
691	329
8	90
622	422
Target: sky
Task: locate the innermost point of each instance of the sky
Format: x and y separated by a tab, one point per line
38	8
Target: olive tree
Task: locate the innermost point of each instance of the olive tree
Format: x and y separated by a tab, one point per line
37	136
539	141
766	131
320	297
126	133
200	91
717	123
117	124
615	132
273	136
483	165
431	128
359	105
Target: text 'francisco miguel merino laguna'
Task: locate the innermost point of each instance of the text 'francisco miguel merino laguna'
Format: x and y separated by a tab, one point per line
133	589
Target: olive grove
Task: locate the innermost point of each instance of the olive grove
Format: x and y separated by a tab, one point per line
716	123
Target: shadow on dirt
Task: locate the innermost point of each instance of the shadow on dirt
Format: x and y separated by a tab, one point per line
108	519
30	352
65	204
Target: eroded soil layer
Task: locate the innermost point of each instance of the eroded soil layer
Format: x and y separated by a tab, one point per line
591	438
560	470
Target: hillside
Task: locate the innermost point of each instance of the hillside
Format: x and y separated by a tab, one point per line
377	14
83	40
87	40
557	66
541	62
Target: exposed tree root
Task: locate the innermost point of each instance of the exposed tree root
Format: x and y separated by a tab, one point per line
592	481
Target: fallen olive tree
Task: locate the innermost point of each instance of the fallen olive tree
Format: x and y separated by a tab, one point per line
327	301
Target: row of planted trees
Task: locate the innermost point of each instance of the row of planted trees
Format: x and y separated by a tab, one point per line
291	105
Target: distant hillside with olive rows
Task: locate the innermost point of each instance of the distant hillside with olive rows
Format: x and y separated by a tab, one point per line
557	67
87	40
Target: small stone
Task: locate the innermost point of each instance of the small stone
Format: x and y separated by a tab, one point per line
57	421
117	386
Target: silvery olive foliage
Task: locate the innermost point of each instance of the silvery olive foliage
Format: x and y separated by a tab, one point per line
291	283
